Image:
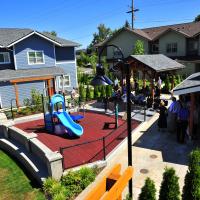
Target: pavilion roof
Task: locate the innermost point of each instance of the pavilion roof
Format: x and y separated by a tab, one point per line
157	62
189	85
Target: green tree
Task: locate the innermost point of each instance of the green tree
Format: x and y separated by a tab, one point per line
108	91
139	48
197	18
82	92
127	24
96	91
103	91
102	34
167	84
83	59
148	190
169	189
88	93
191	189
51	33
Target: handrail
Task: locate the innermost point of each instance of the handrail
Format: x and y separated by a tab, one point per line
91	141
11	108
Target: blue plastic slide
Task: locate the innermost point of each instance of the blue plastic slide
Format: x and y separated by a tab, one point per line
68	123
64	117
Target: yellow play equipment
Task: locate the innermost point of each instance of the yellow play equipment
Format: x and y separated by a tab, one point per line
112	185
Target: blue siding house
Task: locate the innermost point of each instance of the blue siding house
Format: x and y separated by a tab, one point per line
33	60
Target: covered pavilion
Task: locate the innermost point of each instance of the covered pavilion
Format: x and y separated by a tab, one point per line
152	66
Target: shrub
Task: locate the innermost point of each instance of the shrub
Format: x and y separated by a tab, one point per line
54	189
178	79
48	184
103	91
169	189
88	93
82	92
108	91
91	93
148	190
59	196
72	182
166	87
191	189
87	176
96	92
35	101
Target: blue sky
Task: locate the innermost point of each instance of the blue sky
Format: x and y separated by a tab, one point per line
77	20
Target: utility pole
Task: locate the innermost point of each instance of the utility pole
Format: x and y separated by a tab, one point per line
132	14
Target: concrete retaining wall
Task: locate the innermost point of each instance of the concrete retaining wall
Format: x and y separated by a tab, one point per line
41	161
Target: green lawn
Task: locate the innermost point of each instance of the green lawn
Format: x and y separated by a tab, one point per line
14	184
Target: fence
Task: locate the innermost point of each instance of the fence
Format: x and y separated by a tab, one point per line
94	150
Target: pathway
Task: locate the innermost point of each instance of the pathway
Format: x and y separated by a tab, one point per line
152	152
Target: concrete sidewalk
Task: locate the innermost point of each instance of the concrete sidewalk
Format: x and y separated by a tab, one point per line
152	152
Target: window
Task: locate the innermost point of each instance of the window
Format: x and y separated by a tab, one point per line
64	81
4	58
35	57
117	53
172	48
155	48
193	45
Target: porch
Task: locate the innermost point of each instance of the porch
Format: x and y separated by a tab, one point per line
44	79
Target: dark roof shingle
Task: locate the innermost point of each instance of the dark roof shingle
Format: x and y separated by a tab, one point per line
189	83
187	29
11	35
158	62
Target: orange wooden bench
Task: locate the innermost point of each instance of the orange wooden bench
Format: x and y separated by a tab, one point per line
112	185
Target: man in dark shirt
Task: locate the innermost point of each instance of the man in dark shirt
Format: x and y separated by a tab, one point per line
182	118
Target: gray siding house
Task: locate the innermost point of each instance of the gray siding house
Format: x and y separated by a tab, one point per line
178	41
33	60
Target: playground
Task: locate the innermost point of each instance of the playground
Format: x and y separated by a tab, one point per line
96	140
80	137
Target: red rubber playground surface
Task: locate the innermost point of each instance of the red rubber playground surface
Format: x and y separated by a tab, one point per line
89	147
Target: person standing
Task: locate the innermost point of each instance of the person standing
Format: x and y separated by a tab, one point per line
159	85
196	121
172	114
182	119
136	86
162	120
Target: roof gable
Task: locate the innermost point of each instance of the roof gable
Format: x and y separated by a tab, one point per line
187	29
137	32
11	36
191	29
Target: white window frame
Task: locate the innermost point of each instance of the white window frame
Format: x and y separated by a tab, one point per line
60	82
172	46
36	58
2	63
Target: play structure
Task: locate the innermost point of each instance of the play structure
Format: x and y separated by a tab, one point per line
57	120
112	185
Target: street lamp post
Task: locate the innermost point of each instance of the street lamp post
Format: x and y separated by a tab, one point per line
103	80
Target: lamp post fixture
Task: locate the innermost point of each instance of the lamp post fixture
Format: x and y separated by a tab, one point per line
101	79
